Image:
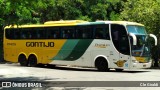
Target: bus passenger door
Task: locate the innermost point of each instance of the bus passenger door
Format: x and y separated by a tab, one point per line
121	43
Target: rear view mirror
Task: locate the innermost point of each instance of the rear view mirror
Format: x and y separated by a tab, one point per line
134	38
154	37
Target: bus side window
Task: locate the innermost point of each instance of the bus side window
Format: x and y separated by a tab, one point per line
71	33
17	33
64	34
84	32
68	32
57	34
41	34
33	33
27	33
53	32
38	35
23	36
84	35
107	36
9	33
78	33
99	33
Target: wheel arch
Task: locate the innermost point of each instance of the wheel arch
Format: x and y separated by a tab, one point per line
101	56
22	53
34	54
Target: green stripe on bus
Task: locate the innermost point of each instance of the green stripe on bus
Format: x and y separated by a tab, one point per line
66	49
79	49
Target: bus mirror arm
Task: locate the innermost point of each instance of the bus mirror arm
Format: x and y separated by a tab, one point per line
134	38
155	38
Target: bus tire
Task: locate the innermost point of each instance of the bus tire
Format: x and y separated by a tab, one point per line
32	61
22	60
101	64
51	65
119	70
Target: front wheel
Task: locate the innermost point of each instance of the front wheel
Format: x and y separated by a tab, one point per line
101	64
119	70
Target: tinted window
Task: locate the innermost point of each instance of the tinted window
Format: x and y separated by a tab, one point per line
53	32
41	33
9	33
120	38
84	32
28	33
68	32
101	32
65	32
32	33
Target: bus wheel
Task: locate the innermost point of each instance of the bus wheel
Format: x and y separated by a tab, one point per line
51	65
101	64
119	70
22	60
32	61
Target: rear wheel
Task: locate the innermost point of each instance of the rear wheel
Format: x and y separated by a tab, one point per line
51	65
101	64
40	65
32	61
22	60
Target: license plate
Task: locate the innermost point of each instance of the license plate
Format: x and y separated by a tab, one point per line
144	65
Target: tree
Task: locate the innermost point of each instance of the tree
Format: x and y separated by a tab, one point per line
17	11
39	11
80	9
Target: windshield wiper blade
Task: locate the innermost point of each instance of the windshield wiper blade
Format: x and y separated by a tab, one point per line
142	50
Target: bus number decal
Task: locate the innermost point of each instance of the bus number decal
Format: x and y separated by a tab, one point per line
11	44
39	44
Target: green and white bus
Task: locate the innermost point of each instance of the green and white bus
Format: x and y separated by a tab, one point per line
101	44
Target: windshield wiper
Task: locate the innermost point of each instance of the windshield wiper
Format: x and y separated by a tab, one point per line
142	50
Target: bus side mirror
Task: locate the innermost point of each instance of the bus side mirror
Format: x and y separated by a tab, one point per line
154	37
134	38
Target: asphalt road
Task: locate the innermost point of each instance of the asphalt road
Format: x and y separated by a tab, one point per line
143	79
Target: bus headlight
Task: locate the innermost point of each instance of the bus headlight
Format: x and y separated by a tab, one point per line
135	61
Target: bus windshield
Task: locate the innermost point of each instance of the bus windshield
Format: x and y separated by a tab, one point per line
142	48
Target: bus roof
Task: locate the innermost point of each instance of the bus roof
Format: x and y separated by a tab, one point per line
64	22
121	22
50	23
73	23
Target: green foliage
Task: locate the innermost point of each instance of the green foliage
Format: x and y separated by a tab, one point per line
39	11
147	12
